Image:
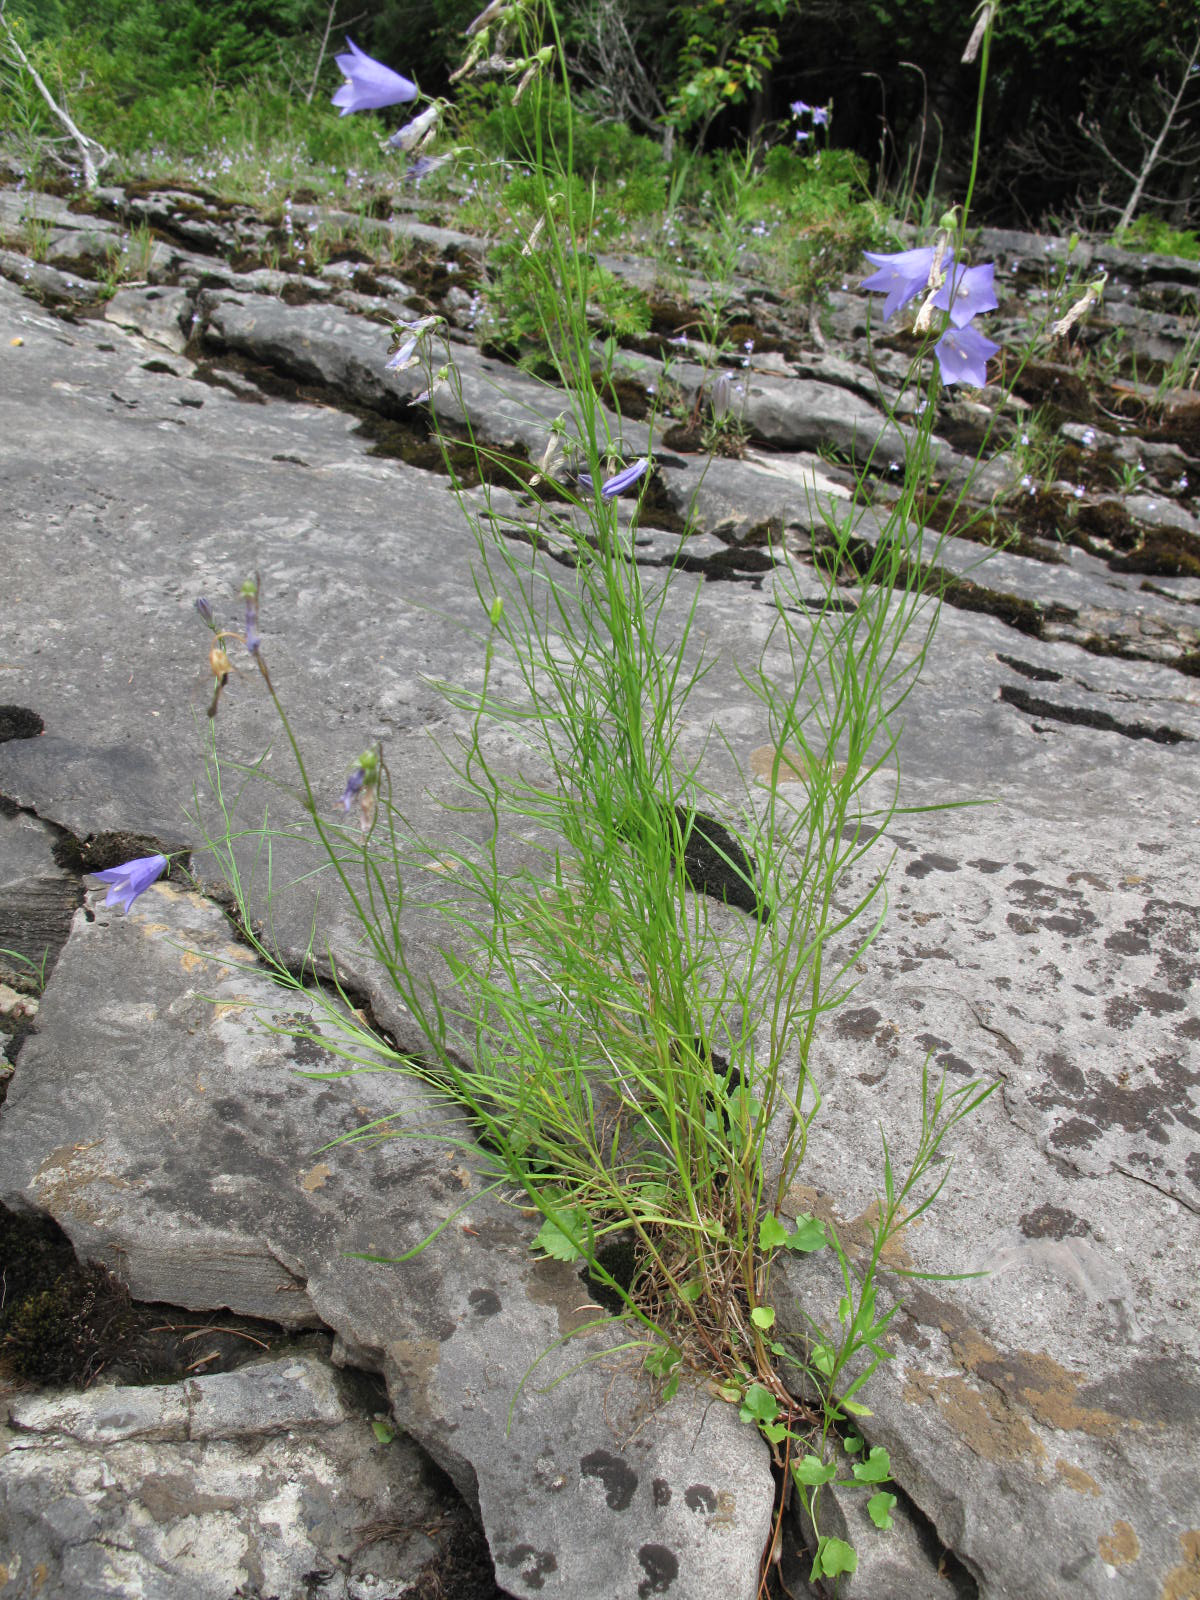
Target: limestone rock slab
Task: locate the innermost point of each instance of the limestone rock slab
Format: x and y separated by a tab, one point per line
179	1141
1056	1391
259	1481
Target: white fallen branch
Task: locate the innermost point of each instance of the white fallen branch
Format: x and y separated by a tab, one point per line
1155	156
93	154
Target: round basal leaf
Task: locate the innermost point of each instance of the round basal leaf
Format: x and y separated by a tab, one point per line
763	1317
811	1470
834	1556
876	1468
772	1234
759	1404
879	1508
808	1235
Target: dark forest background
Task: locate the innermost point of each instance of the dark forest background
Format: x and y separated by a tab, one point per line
1077	89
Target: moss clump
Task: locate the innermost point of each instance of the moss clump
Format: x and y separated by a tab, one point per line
1162	553
60	1322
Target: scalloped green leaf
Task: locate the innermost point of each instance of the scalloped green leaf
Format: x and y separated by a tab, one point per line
879	1508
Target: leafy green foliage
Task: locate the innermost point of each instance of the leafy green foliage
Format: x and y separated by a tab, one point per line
552	1237
727	53
518	316
807	1235
1151	233
605	152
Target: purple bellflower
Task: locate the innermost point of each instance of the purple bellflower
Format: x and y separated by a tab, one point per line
352	790
820	116
800	108
422	166
132	879
409	335
618	483
362	786
963	354
966	292
903	275
205	610
369	85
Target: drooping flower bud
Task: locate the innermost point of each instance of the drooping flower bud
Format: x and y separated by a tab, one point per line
249	593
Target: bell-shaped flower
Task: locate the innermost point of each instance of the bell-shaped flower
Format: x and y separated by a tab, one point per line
413	134
362	785
131	879
408	336
963	354
250	596
369	84
423	167
903	275
623	480
618	483
966	292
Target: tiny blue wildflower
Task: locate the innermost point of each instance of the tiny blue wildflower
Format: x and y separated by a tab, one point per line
962	355
131	880
205	610
800	108
369	85
820	116
802	134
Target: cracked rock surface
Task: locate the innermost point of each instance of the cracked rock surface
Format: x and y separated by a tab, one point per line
259	1481
1042	1420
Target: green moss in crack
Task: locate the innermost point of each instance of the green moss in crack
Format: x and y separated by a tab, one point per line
1162	553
